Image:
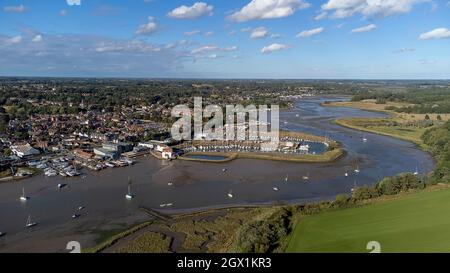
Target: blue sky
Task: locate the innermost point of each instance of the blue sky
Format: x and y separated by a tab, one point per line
357	39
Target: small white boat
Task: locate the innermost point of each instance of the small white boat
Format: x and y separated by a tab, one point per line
230	194
357	169
417	171
30	223
129	196
75	216
346	174
286	179
169	184
297	115
276	189
169	204
61	186
80	208
24	197
224	170
163	205
306	177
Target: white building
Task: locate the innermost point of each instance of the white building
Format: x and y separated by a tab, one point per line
24	150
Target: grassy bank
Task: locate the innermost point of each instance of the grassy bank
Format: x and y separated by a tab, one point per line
408	223
328	156
215	230
378	126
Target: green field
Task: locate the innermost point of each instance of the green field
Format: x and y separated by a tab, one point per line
418	222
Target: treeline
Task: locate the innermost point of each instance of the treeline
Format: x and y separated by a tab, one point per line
433	99
388	186
438	141
265	235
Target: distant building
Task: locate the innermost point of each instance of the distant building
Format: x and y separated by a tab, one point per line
149	145
167	153
119	147
83	154
106	153
24	150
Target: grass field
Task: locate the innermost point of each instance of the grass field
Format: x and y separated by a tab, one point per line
416	222
409	133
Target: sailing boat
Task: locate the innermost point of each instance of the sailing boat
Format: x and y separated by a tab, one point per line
30	223
129	196
230	194
417	171
357	169
364	139
346	174
306	177
23	197
287	178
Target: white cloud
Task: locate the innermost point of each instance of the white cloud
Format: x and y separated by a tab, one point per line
63	12
275	35
37	38
268	9
367	8
310	32
438	33
15	9
364	28
321	16
213	56
73	2
209	33
212	48
14	40
199	9
404	50
204	49
192	33
232	32
260	32
273	47
148	28
230	48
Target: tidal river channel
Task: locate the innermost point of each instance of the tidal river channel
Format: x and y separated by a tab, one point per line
198	185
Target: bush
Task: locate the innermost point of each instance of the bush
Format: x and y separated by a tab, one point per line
262	236
397	184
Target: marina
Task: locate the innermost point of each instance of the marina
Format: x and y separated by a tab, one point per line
199	185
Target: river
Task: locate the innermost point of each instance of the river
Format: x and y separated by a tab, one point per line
198	185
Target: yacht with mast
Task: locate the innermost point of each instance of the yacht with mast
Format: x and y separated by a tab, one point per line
24	198
230	194
129	195
306	177
30	223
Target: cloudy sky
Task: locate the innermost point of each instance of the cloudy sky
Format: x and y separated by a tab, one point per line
377	39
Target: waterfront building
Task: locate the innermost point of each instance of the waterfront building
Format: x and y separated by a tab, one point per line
24	150
119	147
106	153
